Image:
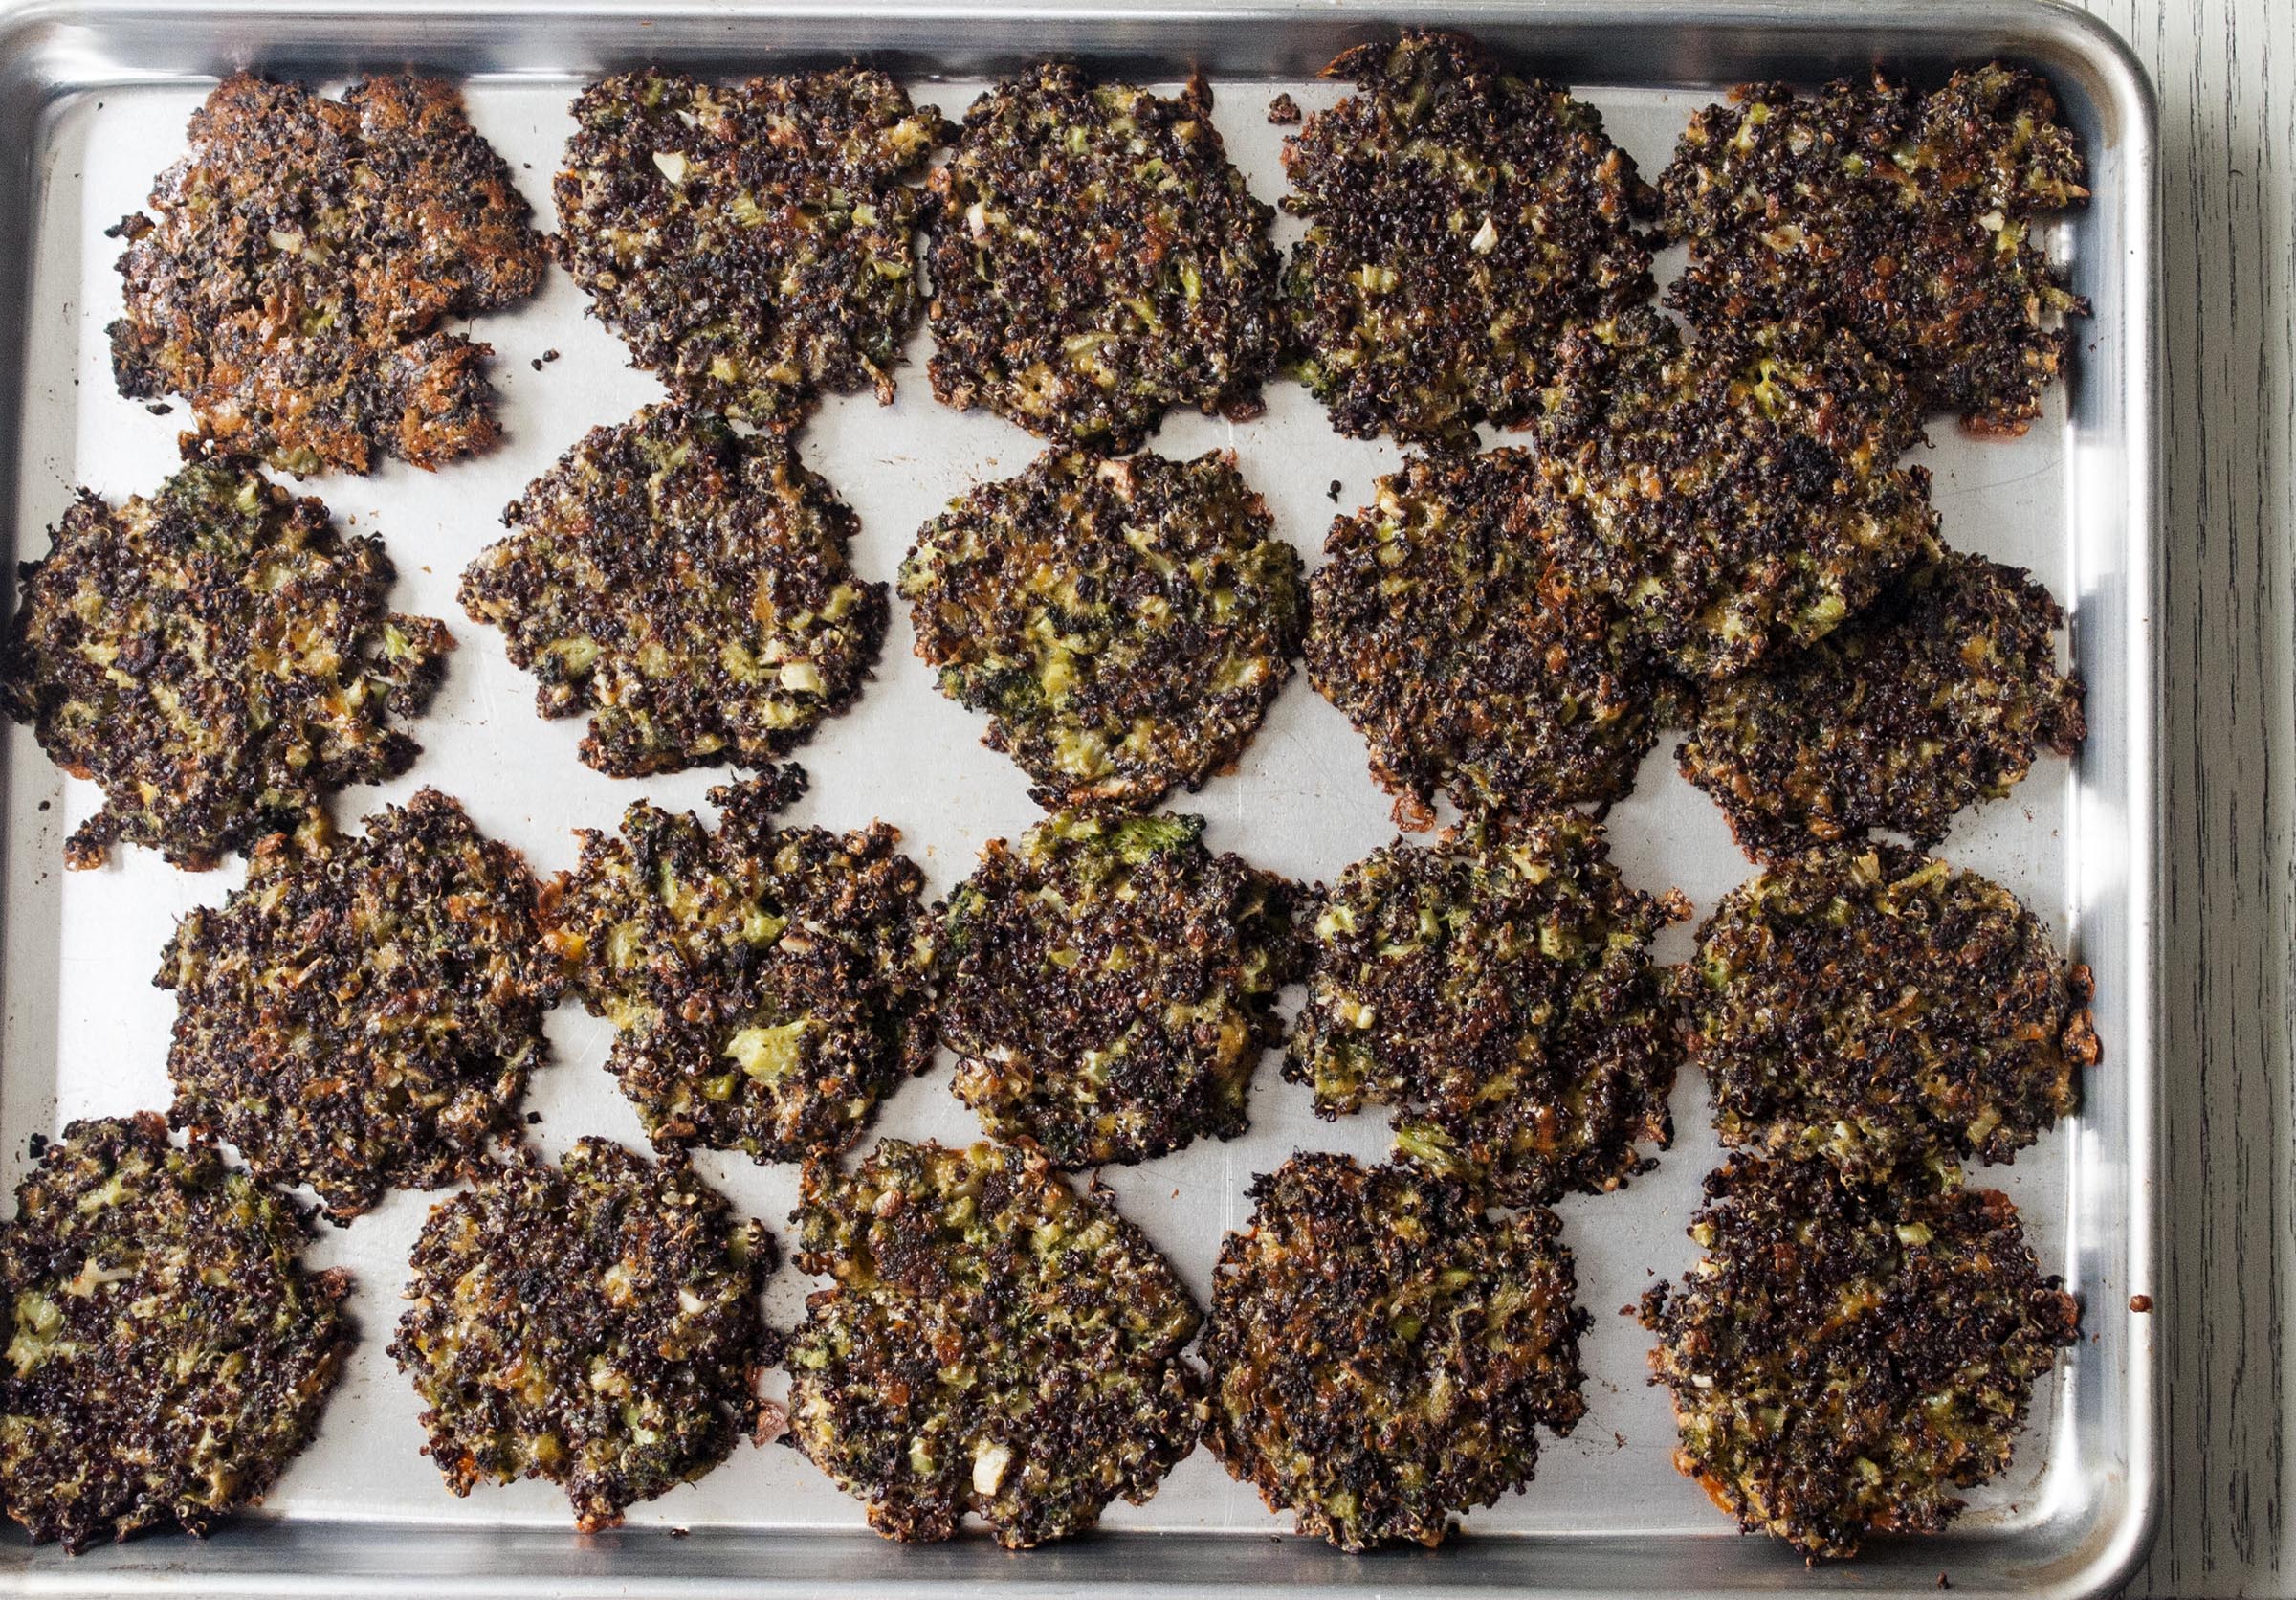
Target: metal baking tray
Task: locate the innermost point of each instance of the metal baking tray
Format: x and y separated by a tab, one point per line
93	100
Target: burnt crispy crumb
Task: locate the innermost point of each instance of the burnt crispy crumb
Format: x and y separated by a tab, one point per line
1466	659
1496	991
994	1343
305	256
1125	623
169	1355
1735	498
1107	986
1884	1010
1283	110
753	246
1096	260
363	1014
688	588
768	986
1382	1350
595	1324
1938	697
1846	1356
217	658
1904	218
1458	218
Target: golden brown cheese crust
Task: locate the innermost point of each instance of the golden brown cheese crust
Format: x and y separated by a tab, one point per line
1459	219
362	1014
1844	1356
168	1353
304	257
218	660
1383	1351
1905	218
686	586
993	1343
754	246
1097	260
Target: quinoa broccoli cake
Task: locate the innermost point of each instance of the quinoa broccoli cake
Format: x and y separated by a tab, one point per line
1905	218
218	658
1458	218
768	986
1097	260
304	261
168	1355
1382	1350
362	1014
1495	990
993	1343
1125	623
1736	497
1938	697
595	1323
1107	986
688	588
1844	1356
1885	1010
1469	660
753	245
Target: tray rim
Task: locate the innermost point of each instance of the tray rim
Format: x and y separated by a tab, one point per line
40	43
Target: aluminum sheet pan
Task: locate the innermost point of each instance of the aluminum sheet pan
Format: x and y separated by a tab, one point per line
93	101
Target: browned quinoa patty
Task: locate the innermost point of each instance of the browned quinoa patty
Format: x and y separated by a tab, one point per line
305	258
1458	218
1904	218
1938	697
688	588
1383	1351
1846	1356
362	1014
768	986
753	246
1735	498
1495	990
1125	623
1469	660
168	1355
217	658
1885	1010
595	1323
994	1343
1107	986
1098	260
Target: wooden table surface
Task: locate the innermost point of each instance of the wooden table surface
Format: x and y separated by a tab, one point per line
2225	71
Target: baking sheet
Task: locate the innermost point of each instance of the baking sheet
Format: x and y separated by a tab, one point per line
85	1034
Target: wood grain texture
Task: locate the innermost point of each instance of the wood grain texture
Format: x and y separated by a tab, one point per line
2223	68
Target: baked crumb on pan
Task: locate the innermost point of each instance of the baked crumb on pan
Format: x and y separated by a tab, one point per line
1495	990
688	588
1844	1356
1938	695
593	1322
1459	219
218	660
1107	985
768	985
1097	260
1383	1351
304	260
168	1355
1126	623
1906	218
363	1014
753	245
993	1341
